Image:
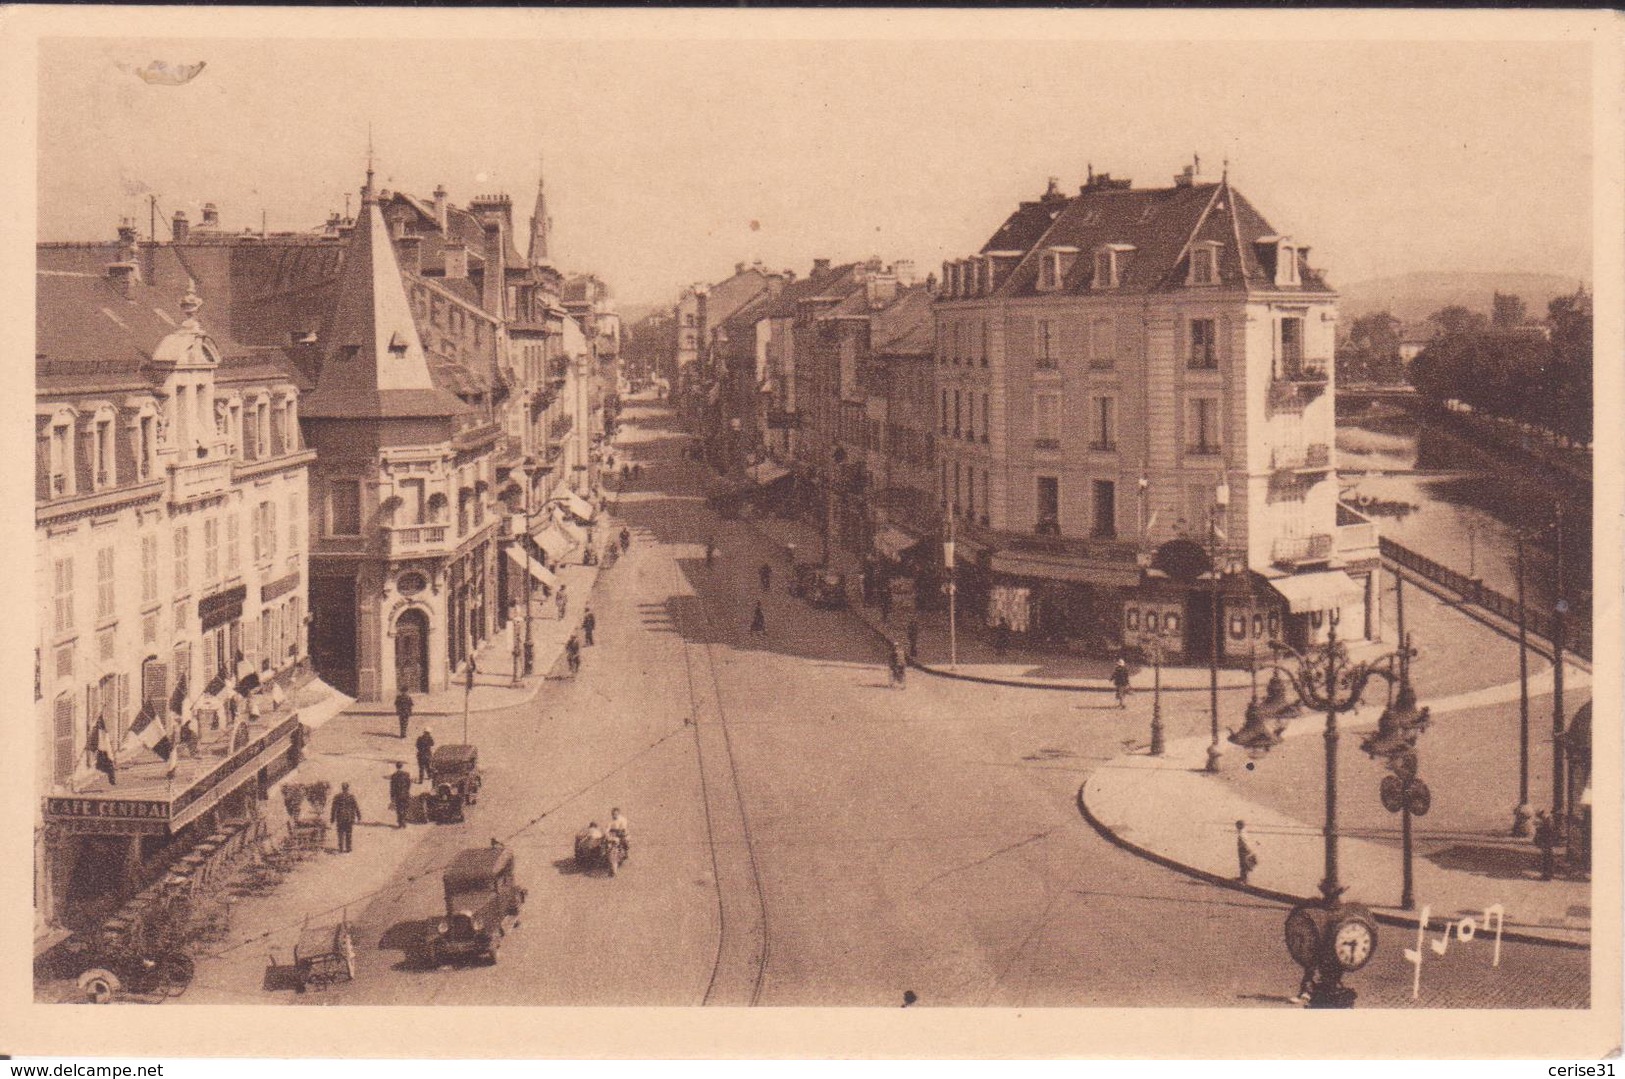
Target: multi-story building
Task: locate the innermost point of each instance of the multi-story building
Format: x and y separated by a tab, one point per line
1135	421
700	311
776	363
170	559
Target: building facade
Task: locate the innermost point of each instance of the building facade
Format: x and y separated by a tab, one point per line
1135	423
171	560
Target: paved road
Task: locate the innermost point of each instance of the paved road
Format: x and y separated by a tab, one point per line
806	835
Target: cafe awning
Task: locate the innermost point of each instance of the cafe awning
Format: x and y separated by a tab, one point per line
1322	591
1076	571
892	541
538	571
577	537
768	472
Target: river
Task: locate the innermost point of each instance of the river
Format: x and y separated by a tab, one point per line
1444	498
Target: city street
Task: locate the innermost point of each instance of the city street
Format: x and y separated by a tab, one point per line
818	838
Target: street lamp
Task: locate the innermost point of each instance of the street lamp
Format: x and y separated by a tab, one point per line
1152	643
1221	502
1330	937
953	622
1521	813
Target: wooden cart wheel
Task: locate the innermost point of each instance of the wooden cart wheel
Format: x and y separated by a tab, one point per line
99	984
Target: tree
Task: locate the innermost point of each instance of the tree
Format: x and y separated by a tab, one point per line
1372	349
1456	319
1508	312
1569	371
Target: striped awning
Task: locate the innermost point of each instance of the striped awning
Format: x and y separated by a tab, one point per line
553	542
538	571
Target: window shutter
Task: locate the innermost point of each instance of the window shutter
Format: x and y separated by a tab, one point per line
42	459
63	740
123	717
93	709
126	433
155	684
84	465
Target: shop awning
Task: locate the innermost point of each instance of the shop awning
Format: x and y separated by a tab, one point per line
577	537
572	502
1322	591
1076	571
540	572
892	542
553	542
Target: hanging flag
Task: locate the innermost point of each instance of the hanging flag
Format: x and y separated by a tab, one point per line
177	699
150	730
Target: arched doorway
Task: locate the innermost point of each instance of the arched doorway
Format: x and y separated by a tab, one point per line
412	651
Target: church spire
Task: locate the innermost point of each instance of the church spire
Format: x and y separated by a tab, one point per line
540	223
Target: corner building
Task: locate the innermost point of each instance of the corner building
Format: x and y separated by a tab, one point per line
1135	427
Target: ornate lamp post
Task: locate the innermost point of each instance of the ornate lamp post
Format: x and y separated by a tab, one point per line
1329	937
953	612
1221	502
1152	643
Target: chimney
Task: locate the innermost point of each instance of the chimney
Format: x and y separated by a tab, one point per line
411	251
211	216
775	285
122	277
440	205
494	280
126	241
739	268
456	261
904	269
333	223
820	267
180	228
1186	177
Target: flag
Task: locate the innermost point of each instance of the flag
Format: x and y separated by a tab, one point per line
177	699
149	729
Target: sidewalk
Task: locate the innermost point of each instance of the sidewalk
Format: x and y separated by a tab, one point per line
1167	809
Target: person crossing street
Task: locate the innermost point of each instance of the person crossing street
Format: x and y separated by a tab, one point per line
425	747
1120	682
758	620
400	793
403	710
589	622
344	814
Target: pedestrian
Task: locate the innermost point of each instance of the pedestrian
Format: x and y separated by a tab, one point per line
885	600
637	473
403	710
425	744
1001	636
561	602
913	638
766	575
710	550
589	622
758	621
1246	852
899	665
1120	681
626	540
1546	840
572	653
346	811
620	828
400	793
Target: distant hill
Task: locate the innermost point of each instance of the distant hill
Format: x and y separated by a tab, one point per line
1412	297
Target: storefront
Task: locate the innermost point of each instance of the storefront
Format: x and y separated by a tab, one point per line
1058	600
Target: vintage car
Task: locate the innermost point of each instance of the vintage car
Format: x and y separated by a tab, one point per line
454	782
480	897
818	585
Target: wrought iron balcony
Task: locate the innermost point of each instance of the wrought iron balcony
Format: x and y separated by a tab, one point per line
1295	551
1315	457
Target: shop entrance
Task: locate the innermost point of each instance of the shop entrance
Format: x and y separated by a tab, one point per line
412	651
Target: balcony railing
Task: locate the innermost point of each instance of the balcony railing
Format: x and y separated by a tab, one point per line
1294	551
1298	382
192	480
425	539
1315	457
1355	531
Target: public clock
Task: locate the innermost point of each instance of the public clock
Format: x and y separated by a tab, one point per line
1303	937
1353	940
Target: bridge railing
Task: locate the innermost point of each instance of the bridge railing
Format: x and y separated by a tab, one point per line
1540	623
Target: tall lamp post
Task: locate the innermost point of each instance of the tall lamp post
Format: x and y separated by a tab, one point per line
1221	502
1521	813
1328	937
1559	720
953	621
1149	640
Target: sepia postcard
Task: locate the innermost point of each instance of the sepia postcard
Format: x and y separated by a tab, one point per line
825	533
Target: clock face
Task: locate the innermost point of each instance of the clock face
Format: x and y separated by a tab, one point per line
1303	937
1353	944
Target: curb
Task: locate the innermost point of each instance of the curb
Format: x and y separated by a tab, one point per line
1385	917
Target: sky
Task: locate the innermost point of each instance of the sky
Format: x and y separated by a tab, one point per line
669	161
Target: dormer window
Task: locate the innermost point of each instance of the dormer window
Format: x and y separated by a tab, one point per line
1286	263
1109	262
1204	264
1055	264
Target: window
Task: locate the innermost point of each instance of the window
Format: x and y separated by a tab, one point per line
970	494
262	430
1103	423
1105	507
293	521
1047	421
944	411
267	530
234	430
1292	346
1204	268
63	594
1204	345
144	448
986	418
1286	264
61	459
343	508
1105	268
149	569
1048	516
1102	344
958	428
104	453
984	342
970	417
105	601
1202	422
987	489
1049	272
211	550
958	480
1044	347
62	738
182	576
233	558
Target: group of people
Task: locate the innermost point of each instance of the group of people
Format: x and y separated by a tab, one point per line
572	647
345	812
619	831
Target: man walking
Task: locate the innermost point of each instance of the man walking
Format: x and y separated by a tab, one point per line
913	638
346	811
589	622
425	746
758	620
1120	682
403	710
1546	840
1246	852
400	793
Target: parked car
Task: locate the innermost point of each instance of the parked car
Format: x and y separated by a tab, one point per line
481	896
818	585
